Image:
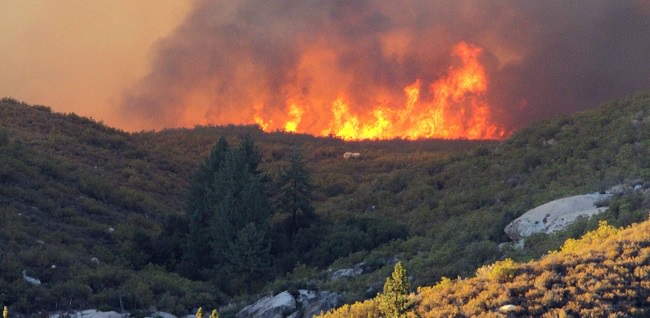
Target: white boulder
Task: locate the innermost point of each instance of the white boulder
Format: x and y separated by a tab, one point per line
556	215
270	307
90	313
306	304
318	302
162	314
31	280
349	155
357	270
507	308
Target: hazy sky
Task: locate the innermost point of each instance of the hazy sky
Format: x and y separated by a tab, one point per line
79	55
147	64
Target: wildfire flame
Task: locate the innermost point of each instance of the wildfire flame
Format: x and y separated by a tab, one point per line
457	109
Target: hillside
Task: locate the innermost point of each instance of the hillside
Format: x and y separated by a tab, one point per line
603	274
84	205
106	207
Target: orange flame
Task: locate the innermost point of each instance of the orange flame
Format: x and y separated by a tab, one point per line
457	109
296	113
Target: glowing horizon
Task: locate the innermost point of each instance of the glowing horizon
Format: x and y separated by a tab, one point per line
366	69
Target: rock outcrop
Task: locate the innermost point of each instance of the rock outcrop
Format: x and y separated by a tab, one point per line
89	313
556	215
358	269
314	303
284	305
306	304
277	306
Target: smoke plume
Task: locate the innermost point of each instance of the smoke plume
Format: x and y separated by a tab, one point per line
241	61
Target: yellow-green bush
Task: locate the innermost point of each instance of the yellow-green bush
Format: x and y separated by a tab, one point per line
498	271
603	231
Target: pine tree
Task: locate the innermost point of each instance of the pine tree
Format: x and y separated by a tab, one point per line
203	180
242	200
295	193
229	214
200	211
393	302
242	218
214	314
249	254
250	155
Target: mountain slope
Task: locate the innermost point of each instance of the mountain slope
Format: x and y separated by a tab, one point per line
72	190
86	209
603	274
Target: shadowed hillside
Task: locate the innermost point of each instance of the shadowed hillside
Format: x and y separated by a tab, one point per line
84	206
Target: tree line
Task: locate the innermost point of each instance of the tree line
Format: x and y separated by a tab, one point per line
240	225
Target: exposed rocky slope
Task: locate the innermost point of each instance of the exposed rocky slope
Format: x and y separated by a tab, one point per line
556	215
284	305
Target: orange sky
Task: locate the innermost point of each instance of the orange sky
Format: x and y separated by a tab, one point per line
79	55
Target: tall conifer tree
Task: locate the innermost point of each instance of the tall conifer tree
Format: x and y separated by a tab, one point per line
393	302
295	194
229	217
200	204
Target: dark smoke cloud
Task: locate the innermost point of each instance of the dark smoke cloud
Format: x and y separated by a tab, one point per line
543	57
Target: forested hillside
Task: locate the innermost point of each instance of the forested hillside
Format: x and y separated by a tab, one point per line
101	217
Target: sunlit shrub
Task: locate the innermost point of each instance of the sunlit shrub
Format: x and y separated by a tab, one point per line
499	271
603	231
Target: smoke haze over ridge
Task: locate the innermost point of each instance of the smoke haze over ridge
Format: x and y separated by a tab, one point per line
232	60
79	56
